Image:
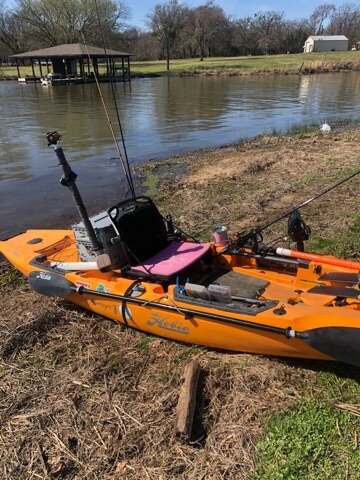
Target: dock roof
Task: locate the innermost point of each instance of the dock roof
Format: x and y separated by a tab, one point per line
75	50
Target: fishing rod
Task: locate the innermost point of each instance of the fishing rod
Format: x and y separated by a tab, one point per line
130	179
125	163
254	236
310	200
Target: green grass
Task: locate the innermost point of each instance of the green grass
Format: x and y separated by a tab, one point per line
285	62
10	72
10	279
264	62
303	129
344	246
151	184
144	341
190	351
313	440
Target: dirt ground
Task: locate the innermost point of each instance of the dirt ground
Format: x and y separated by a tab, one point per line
255	181
80	398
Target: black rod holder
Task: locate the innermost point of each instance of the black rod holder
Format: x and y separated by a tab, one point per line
69	180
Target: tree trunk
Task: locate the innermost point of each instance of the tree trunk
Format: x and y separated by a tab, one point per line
167	59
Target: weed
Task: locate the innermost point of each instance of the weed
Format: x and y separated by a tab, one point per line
312	440
144	342
302	129
339	386
189	352
164	377
343	245
151	184
10	278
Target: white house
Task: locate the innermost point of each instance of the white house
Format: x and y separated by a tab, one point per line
326	43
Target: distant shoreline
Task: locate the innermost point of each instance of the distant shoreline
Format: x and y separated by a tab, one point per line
309	69
292	64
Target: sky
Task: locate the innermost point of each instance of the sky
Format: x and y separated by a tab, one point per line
235	8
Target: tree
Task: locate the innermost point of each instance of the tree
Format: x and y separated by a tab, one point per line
295	34
268	30
210	27
13	32
244	36
166	22
346	21
71	21
141	44
318	17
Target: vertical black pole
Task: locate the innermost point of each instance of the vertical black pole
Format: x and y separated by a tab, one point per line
17	68
81	64
32	67
68	180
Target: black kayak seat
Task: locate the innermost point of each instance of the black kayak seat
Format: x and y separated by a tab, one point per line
140	227
142	231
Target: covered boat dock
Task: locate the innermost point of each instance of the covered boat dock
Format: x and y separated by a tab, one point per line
74	63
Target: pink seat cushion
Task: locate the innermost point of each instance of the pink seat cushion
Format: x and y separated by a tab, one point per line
175	257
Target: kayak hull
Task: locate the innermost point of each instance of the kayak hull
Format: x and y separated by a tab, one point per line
162	313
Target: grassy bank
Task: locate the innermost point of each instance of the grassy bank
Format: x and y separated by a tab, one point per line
265	64
289	64
82	399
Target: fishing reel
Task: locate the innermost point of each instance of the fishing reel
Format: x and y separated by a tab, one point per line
298	230
53	137
252	240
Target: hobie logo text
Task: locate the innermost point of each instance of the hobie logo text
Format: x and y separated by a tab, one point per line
162	322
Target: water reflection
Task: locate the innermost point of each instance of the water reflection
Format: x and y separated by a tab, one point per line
341	91
160	117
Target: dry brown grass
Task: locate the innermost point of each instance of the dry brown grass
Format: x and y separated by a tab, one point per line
254	181
79	398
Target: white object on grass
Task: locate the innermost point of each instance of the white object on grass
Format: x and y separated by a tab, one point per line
325	128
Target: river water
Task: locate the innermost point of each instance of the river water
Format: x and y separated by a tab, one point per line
160	117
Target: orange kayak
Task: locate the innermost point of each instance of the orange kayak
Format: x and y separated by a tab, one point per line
269	304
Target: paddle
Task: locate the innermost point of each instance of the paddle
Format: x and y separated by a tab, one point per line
341	343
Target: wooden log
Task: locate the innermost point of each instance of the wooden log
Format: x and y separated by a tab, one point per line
187	401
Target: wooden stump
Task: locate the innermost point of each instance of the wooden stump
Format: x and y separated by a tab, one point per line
187	401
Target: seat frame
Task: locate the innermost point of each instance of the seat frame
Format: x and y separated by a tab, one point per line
137	257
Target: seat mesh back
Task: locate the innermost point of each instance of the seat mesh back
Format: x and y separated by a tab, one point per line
140	227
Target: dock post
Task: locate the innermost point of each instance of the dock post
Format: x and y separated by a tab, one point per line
32	67
17	68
